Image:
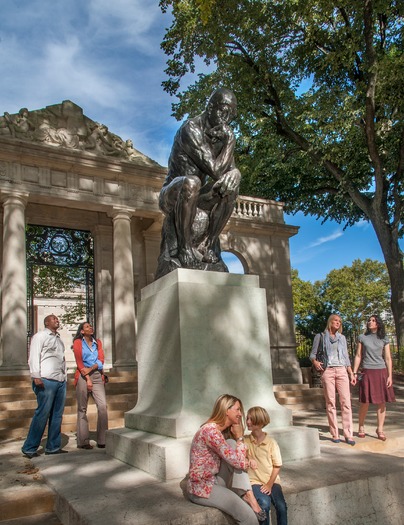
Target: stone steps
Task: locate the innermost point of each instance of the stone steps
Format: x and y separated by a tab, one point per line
28	502
47	518
18	402
30	404
299	397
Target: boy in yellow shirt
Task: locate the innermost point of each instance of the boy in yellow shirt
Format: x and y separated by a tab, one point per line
265	463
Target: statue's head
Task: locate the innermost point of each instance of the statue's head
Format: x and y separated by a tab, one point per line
221	107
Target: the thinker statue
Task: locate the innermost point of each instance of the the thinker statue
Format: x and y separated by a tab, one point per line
200	189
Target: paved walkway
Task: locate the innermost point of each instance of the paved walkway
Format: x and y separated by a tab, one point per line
92	487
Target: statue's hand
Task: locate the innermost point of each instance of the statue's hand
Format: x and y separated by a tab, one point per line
228	183
222	133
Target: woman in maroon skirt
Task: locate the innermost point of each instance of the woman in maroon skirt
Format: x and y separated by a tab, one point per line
376	384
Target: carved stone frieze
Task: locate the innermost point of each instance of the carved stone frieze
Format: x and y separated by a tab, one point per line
3	170
79	187
64	125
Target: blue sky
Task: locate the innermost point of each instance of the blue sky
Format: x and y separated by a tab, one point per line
105	56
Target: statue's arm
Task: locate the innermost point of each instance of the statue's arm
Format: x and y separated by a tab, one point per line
198	148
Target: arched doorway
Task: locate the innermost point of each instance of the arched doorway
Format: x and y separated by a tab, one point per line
233	262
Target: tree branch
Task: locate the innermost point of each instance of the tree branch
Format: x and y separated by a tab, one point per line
283	128
359	73
370	112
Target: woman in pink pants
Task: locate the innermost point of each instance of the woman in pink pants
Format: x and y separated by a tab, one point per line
329	356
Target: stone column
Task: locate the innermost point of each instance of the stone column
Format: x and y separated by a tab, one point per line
152	240
103	276
14	287
124	294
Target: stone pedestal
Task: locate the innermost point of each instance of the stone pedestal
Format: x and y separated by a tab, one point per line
200	335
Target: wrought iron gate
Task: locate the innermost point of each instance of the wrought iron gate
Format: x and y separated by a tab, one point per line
69	252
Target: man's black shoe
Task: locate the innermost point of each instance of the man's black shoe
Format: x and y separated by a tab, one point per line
60	451
30	455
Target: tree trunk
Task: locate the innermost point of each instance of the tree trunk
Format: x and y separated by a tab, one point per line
394	262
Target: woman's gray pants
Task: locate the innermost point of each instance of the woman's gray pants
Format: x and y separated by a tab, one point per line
226	494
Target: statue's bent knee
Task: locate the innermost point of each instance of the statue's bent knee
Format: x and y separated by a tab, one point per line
190	187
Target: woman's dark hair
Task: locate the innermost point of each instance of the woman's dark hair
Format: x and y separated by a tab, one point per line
79	335
381	331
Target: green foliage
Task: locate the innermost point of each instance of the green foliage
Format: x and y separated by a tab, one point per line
65	284
310	312
353	292
74	313
398	362
321	104
358	291
309	148
53	281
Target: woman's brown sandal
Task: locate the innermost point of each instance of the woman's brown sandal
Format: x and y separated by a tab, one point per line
361	433
380	435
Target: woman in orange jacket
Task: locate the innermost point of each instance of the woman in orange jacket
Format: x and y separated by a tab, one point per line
89	380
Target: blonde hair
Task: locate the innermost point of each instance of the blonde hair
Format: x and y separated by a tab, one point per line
259	416
220	408
330	320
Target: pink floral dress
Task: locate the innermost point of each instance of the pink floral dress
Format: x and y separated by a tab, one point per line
208	449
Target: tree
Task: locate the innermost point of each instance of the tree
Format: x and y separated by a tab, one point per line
310	311
353	292
63	283
356	292
334	149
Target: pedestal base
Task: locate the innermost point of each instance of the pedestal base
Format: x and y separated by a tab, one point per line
163	457
168	458
200	335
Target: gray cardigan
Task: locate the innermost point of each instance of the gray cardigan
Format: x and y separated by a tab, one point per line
321	345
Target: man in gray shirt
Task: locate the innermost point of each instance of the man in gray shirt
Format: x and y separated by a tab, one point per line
48	372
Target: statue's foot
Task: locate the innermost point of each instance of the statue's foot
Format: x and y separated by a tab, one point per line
188	257
210	257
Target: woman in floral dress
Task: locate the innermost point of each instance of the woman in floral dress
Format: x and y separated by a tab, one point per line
217	473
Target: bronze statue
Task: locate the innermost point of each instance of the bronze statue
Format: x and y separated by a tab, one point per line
200	189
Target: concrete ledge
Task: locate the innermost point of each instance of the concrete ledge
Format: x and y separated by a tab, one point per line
377	500
341	487
345	486
163	457
167	458
297	443
175	426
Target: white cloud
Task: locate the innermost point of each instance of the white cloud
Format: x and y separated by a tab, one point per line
66	69
131	21
328	238
362	224
104	56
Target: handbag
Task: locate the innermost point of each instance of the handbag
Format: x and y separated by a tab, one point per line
320	350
